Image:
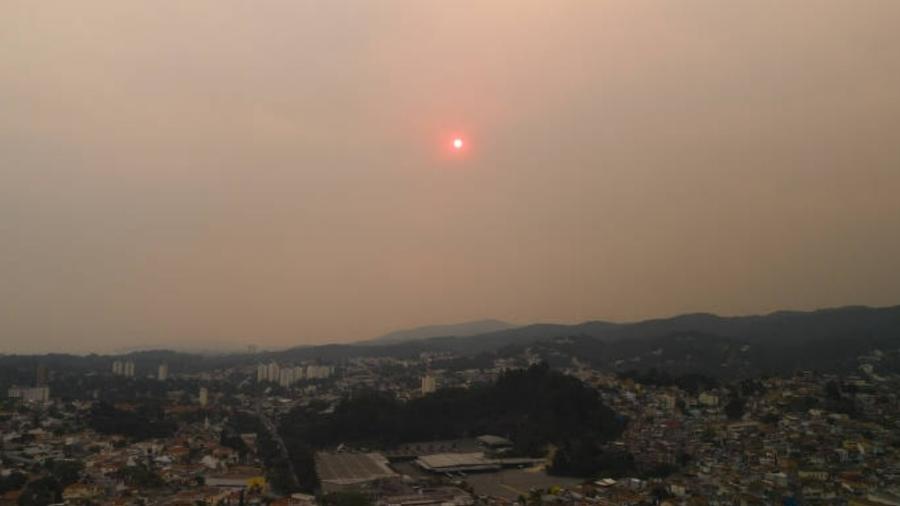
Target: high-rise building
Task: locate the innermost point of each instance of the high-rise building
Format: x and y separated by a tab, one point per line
299	373
318	371
29	394
203	397
163	372
128	369
262	373
41	376
274	372
117	368
286	377
429	384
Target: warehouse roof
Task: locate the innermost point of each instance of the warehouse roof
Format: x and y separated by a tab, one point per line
351	468
454	462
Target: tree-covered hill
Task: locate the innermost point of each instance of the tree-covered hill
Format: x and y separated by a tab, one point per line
534	407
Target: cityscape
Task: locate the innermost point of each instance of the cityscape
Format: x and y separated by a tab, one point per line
450	253
527	424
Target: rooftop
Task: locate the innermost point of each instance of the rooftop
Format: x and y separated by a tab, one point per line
350	468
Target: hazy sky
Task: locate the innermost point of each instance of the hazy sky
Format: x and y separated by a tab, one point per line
279	172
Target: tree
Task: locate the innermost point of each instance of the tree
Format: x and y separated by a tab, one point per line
66	472
142	477
833	390
735	408
147	423
582	458
41	492
347	499
534	408
14	481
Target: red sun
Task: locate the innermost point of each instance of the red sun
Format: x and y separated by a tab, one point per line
457	143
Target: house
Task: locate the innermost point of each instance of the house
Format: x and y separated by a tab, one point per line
78	492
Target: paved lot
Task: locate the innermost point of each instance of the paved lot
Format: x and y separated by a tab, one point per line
512	483
350	467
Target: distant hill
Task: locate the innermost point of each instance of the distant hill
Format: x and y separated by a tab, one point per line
456	330
782	326
827	339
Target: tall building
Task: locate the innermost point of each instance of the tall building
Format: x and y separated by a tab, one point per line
41	376
128	369
262	373
163	372
274	372
429	384
29	394
203	397
286	377
118	368
318	371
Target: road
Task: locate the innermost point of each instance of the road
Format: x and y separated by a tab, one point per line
282	448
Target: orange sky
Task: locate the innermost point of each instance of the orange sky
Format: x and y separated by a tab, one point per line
279	173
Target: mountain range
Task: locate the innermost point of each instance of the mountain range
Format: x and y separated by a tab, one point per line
457	329
700	342
828	339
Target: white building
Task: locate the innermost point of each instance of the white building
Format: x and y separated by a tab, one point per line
286	377
667	402
29	394
274	372
126	369
204	396
708	399
429	384
262	373
163	372
318	371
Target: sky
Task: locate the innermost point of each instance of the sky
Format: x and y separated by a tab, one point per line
278	173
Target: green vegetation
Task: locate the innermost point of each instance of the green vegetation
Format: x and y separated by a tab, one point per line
735	408
66	472
14	481
147	422
691	383
583	457
278	468
41	492
141	476
533	407
346	499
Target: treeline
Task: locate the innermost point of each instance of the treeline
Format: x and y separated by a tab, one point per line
240	423
57	475
277	468
583	457
691	383
147	421
534	407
